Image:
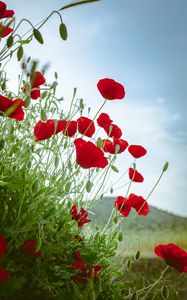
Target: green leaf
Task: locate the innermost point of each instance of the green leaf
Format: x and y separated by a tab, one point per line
20	53
114	169
63	31
43	115
10	41
38	36
78	3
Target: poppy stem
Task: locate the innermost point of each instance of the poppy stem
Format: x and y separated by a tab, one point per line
155	185
150	287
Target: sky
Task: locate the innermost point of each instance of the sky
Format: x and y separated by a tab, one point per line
141	44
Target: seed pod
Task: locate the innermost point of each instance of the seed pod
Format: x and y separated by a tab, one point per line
128	264
133	297
117	148
99	142
89	186
137	256
56	161
38	245
27	101
44	94
35	186
120	237
10	41
63	31
165	292
114	169
3	86
67	187
165	167
43	115
115	220
38	36
20	53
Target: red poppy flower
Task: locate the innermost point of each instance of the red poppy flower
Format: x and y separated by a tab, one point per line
44	130
113	130
110	89
4	31
124	205
86	126
4	275
110	146
79	264
3	246
139	204
93	272
135	176
79	238
13	108
36	79
173	255
70	128
85	275
29	248
88	155
137	151
103	119
81	217
4	13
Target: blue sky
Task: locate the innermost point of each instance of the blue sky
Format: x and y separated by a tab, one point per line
143	45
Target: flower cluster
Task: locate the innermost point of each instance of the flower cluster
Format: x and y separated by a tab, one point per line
81	217
27	247
5	14
78	133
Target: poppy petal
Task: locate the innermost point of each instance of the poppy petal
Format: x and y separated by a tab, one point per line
110	89
137	151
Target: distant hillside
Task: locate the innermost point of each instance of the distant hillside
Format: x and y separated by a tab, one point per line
156	219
